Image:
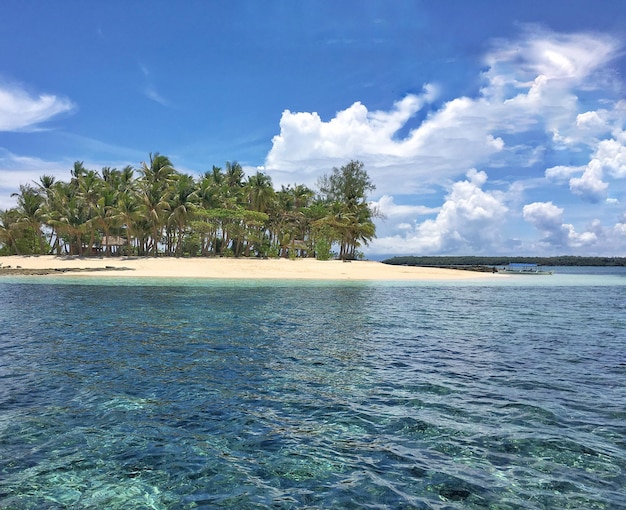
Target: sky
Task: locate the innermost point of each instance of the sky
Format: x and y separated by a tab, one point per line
487	127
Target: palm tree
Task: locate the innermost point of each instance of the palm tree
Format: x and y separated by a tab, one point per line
125	179
154	206
9	235
261	198
105	215
128	212
260	192
216	175
30	212
77	171
89	188
361	229
210	195
70	217
291	220
234	176
182	206
222	212
159	171
157	178
45	188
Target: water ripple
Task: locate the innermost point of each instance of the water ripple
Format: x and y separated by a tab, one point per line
301	396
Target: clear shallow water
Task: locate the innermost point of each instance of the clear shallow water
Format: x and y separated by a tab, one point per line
313	395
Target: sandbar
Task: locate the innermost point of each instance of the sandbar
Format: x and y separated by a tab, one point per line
225	268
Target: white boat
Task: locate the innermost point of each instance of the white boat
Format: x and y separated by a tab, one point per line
520	268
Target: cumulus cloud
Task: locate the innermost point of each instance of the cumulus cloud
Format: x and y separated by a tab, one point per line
442	146
611	155
530	93
306	141
468	222
529	87
608	160
545	216
590	185
548	219
562	172
387	207
594	121
19	111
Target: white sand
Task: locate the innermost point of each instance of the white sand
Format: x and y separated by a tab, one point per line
229	268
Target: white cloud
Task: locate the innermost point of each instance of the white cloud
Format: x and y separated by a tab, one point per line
562	172
609	159
468	222
592	121
548	219
560	57
545	216
590	185
442	146
16	170
390	210
19	111
529	88
305	138
611	155
531	81
531	92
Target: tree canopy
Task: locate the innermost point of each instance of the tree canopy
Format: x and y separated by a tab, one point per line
156	210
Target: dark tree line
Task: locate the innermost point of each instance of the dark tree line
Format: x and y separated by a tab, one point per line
564	260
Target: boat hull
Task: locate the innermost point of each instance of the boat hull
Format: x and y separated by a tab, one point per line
531	273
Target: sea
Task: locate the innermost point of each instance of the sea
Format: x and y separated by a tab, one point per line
496	393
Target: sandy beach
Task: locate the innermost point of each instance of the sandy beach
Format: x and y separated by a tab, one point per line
226	268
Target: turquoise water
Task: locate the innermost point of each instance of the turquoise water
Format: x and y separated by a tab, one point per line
505	394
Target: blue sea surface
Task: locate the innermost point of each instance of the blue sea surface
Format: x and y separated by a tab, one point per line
502	393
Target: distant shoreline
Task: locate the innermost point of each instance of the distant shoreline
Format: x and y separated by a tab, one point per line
222	268
448	261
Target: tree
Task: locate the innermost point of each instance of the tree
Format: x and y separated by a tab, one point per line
234	176
260	192
160	170
182	206
89	189
349	184
157	177
128	212
155	205
30	213
10	236
345	190
105	214
70	217
220	213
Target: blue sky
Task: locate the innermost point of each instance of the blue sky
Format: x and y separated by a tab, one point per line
488	127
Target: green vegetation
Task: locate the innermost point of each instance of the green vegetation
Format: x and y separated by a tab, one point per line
162	211
565	260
